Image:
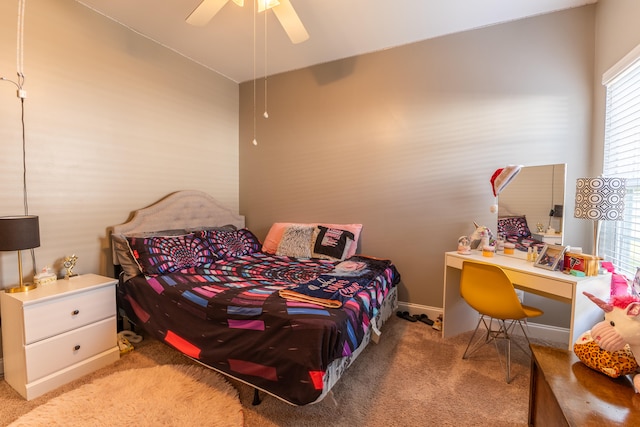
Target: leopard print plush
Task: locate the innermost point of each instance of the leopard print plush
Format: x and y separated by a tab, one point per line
611	363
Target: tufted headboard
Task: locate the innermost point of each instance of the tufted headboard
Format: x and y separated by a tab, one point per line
188	209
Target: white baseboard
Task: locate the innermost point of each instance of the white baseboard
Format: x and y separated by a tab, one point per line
432	312
551	334
534	330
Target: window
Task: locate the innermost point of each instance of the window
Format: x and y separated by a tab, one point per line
620	240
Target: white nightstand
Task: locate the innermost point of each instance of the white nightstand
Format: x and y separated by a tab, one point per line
551	239
59	332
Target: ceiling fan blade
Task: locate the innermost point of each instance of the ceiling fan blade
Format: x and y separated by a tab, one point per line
206	10
290	21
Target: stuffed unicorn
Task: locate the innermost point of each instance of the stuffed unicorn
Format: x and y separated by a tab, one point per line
609	347
481	236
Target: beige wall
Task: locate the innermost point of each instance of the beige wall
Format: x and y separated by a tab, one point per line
405	140
114	122
617	33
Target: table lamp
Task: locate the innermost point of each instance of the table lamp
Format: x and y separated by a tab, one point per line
18	233
599	199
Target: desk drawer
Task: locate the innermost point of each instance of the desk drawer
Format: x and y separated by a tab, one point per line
48	356
48	318
534	283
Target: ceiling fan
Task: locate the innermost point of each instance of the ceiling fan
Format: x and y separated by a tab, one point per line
283	9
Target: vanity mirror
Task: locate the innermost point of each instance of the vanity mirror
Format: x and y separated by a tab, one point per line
536	195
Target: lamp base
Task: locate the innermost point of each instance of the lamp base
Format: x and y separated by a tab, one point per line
23	288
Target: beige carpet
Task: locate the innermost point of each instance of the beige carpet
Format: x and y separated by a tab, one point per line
165	395
412	377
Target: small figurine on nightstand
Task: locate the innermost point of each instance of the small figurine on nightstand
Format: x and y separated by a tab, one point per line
540	227
69	263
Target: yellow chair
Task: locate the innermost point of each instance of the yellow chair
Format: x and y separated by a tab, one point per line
487	289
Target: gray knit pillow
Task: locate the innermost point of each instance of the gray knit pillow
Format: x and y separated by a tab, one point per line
296	241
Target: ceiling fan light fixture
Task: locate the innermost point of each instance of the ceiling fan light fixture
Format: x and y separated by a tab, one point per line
282	9
266	4
290	21
206	10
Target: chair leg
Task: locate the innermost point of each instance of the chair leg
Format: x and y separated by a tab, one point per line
503	332
508	339
527	351
507	335
480	341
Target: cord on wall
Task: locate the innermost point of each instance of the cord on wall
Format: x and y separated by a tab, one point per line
22	95
265	114
255	141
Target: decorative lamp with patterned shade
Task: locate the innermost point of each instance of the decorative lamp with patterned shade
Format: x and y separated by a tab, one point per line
16	234
599	199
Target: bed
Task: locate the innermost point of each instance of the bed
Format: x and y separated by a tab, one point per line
515	229
277	315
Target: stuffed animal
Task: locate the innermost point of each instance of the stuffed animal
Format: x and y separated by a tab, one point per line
481	236
609	347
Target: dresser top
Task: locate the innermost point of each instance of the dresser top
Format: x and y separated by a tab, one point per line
73	285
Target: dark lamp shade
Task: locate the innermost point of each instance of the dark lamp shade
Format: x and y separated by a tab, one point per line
557	210
600	199
19	232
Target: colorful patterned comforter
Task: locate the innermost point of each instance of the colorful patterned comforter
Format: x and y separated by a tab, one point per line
524	243
231	317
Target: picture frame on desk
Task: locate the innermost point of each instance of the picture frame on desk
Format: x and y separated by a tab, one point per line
550	257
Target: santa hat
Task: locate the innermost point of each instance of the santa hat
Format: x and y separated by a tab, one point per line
502	177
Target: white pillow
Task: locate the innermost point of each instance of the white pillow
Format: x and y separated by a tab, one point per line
296	241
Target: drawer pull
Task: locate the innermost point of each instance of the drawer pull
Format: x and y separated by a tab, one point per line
75	312
76	348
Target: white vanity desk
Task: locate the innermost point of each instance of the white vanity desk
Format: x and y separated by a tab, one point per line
459	317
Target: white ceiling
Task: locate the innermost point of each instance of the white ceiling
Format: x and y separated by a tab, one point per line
337	28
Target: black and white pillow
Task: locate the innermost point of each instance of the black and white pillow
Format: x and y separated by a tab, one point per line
331	243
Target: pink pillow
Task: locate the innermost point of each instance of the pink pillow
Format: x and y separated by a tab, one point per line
270	244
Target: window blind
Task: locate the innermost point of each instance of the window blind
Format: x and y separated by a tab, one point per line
620	240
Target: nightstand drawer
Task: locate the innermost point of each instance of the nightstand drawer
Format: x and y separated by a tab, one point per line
48	318
48	356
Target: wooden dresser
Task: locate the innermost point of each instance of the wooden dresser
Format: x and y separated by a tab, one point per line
565	392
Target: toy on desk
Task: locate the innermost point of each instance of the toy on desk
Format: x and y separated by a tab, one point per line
464	245
609	346
481	237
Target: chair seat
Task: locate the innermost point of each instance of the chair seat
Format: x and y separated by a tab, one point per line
532	311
